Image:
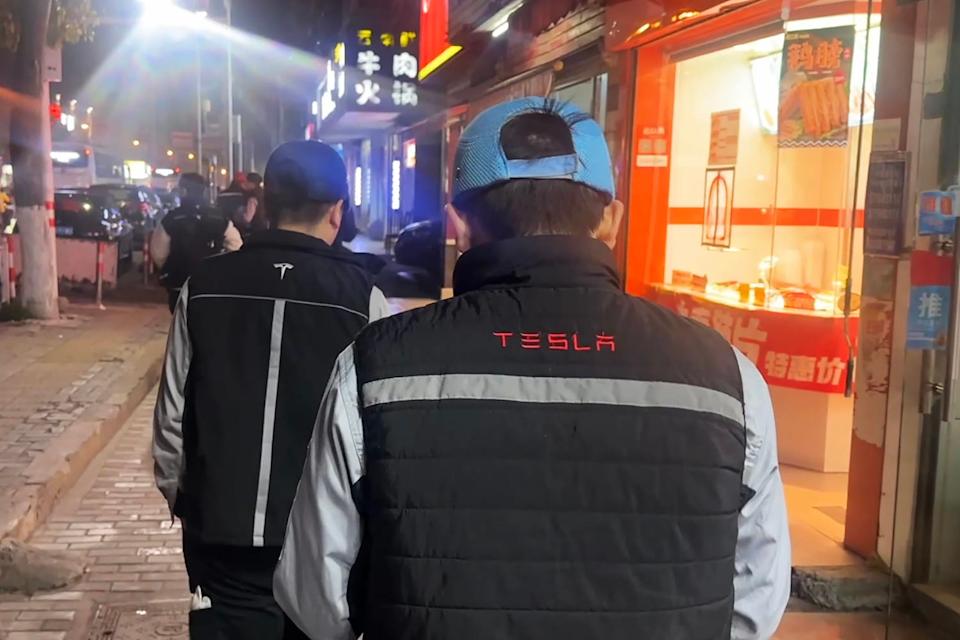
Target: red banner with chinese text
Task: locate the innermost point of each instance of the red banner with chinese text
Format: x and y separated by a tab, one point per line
791	350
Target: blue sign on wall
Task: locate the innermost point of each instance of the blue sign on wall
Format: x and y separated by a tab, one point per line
929	318
937	215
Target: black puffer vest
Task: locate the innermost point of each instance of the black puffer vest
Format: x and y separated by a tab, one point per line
549	458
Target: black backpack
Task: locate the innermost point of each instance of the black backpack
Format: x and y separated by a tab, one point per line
195	234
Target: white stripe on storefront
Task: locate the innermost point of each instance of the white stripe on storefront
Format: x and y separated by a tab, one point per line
548	390
269	416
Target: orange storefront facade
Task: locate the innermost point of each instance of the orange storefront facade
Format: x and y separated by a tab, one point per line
753	131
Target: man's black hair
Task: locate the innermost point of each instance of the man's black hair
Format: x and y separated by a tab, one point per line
254	178
193	185
524	207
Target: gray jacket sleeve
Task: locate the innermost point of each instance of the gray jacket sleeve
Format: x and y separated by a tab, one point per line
762	581
168	413
379	308
325	530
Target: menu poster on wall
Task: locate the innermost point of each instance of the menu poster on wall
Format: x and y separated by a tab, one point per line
815	87
883	216
724	137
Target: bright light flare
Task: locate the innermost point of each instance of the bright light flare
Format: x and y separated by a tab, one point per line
165	13
501	29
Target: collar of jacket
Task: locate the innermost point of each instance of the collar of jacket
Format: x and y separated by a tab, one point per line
537	261
295	241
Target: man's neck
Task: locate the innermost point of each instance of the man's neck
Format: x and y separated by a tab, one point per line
313	230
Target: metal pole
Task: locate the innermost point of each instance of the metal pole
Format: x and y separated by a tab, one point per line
4	273
230	158
99	274
199	111
11	267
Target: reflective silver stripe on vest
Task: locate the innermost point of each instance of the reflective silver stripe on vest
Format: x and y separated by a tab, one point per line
269	416
633	393
309	303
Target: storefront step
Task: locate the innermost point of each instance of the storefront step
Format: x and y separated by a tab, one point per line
850	588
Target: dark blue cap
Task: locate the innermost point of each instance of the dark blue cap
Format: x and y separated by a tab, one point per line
306	169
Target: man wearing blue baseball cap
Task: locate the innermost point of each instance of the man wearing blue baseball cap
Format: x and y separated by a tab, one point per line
255	334
542	456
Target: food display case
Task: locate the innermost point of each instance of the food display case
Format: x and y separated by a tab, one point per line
767	146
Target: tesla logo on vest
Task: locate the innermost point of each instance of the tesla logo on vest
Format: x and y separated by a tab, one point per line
283	266
539	341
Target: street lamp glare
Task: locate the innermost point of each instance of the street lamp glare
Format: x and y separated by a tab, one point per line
154	10
136	142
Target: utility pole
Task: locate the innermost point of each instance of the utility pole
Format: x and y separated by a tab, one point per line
30	147
199	111
230	159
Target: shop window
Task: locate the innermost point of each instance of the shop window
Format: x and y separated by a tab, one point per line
757	167
581	94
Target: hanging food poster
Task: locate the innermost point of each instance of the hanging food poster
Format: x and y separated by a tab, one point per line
815	87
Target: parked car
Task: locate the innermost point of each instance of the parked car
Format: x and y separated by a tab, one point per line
169	198
139	207
421	245
82	215
154	194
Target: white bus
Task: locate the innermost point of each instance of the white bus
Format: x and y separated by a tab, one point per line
79	166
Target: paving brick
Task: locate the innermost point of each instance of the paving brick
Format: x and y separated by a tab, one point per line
46	615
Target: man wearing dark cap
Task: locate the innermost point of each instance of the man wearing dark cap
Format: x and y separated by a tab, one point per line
254	336
542	456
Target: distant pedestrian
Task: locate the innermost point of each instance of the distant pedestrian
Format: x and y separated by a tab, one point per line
188	234
542	456
254	180
254	337
238	184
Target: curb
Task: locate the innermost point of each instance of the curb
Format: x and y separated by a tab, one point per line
66	458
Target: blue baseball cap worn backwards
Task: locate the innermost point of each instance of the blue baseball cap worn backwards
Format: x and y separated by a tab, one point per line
481	161
310	169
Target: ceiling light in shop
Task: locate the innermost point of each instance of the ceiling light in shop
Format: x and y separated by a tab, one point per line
843	20
685	15
501	29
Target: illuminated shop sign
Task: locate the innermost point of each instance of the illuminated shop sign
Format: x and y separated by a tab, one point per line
372	71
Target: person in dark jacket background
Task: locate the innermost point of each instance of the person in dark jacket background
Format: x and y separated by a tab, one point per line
188	234
542	456
254	335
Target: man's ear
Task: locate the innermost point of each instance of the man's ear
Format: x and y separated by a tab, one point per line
458	222
610	223
335	217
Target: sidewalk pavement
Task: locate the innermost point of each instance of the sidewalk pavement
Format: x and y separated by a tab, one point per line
66	387
135	587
